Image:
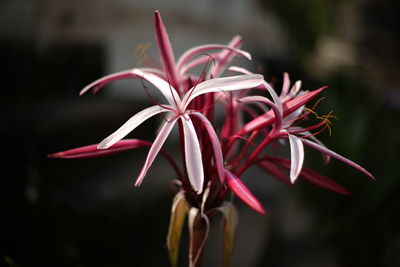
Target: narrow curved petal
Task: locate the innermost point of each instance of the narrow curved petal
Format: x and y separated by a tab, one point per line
296	156
155	148
222	84
198	61
288	107
226	56
271	168
162	85
273	106
285	86
91	151
125	74
326	157
204	48
219	161
333	154
291	118
130	125
165	50
98	84
295	89
241	190
194	162
274	164
266	85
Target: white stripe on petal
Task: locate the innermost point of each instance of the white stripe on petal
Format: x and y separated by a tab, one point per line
198	50
155	148
269	88
222	84
219	160
285	86
163	86
297	157
194	163
130	125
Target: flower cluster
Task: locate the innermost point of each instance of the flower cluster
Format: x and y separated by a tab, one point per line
254	116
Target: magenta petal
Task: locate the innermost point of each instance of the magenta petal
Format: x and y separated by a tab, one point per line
226	56
219	161
196	62
273	106
320	180
155	148
307	175
276	171
203	48
265	85
329	152
98	84
91	151
326	158
269	118
242	192
165	50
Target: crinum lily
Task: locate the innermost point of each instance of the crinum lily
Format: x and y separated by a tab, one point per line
178	108
214	157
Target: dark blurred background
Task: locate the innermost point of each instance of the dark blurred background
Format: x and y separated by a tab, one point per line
87	213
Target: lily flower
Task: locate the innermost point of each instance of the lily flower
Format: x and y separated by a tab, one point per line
213	156
178	108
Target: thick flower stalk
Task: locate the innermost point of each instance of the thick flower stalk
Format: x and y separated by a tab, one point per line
216	153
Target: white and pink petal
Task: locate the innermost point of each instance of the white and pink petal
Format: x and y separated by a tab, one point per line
130	125
296	157
155	148
222	84
193	158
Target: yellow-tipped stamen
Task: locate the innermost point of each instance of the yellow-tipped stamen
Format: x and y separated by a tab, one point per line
142	52
326	118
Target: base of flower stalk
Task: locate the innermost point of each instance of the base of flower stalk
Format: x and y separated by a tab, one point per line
198	237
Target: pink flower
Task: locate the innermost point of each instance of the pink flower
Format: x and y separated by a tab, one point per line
213	156
217	151
177	108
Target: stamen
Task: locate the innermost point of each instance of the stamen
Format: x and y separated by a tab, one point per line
317	102
320	131
207	107
155	102
325	118
246	147
170	89
201	77
142	53
235	137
